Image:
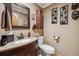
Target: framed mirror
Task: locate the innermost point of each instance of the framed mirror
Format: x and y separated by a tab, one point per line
20	16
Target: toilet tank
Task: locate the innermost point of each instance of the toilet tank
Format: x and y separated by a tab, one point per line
40	41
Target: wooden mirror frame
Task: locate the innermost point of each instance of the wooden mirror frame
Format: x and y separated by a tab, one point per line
22	27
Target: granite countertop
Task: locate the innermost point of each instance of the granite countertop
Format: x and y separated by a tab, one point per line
18	43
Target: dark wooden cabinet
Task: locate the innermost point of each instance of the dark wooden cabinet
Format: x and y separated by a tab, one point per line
26	50
39	19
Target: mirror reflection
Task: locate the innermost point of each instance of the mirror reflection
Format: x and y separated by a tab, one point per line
20	16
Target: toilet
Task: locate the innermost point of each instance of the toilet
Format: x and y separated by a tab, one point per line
47	49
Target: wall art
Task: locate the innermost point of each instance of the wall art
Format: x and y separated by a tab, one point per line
64	15
75	15
75	6
54	15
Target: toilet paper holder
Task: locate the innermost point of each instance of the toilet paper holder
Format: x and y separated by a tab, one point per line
56	38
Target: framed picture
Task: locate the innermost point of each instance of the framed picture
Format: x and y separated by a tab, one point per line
54	15
64	15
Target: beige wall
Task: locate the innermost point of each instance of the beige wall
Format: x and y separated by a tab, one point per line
33	7
69	34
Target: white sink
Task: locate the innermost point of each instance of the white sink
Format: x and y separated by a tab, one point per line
22	41
26	40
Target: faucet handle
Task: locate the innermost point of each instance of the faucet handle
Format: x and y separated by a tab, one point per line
17	36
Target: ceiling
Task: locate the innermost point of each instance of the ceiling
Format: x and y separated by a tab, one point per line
43	5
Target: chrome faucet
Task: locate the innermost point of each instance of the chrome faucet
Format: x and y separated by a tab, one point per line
21	36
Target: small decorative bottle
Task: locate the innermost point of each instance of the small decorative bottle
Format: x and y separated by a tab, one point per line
29	35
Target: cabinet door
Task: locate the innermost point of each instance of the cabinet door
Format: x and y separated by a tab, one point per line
21	53
33	52
39	19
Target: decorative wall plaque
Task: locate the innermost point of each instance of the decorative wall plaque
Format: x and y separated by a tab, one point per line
75	15
54	15
64	15
75	6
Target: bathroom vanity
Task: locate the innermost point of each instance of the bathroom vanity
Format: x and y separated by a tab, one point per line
19	16
23	47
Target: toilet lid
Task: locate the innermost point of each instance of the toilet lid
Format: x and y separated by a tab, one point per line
47	48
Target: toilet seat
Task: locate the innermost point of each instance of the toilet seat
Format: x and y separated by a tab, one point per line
48	49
